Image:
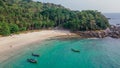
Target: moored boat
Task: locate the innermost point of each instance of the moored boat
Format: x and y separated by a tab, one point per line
36	55
32	60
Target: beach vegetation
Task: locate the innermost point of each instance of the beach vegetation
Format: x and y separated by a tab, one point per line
22	15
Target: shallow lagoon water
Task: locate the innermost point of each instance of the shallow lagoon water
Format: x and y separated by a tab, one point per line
56	53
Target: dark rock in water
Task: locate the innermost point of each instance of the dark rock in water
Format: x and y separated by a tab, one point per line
108	18
114	36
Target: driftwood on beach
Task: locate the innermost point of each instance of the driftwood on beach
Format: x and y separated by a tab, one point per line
113	31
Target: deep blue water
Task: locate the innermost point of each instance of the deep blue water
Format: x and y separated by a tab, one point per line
115	18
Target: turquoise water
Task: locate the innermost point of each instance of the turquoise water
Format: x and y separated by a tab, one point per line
94	53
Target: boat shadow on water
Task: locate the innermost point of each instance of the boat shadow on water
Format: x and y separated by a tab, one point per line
75	50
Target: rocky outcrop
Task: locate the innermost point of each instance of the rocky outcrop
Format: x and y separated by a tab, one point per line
113	31
90	34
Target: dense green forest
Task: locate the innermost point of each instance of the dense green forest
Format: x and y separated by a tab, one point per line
22	15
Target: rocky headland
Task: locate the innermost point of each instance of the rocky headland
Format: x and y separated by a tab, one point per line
113	31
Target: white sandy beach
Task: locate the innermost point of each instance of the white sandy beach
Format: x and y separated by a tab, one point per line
10	44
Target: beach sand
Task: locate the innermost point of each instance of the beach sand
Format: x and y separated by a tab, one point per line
11	44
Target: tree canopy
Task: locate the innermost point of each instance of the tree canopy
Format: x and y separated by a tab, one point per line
21	15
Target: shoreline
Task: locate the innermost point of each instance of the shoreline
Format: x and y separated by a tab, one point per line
10	45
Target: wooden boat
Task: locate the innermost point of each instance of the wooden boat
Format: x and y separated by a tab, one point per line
36	55
74	50
32	60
